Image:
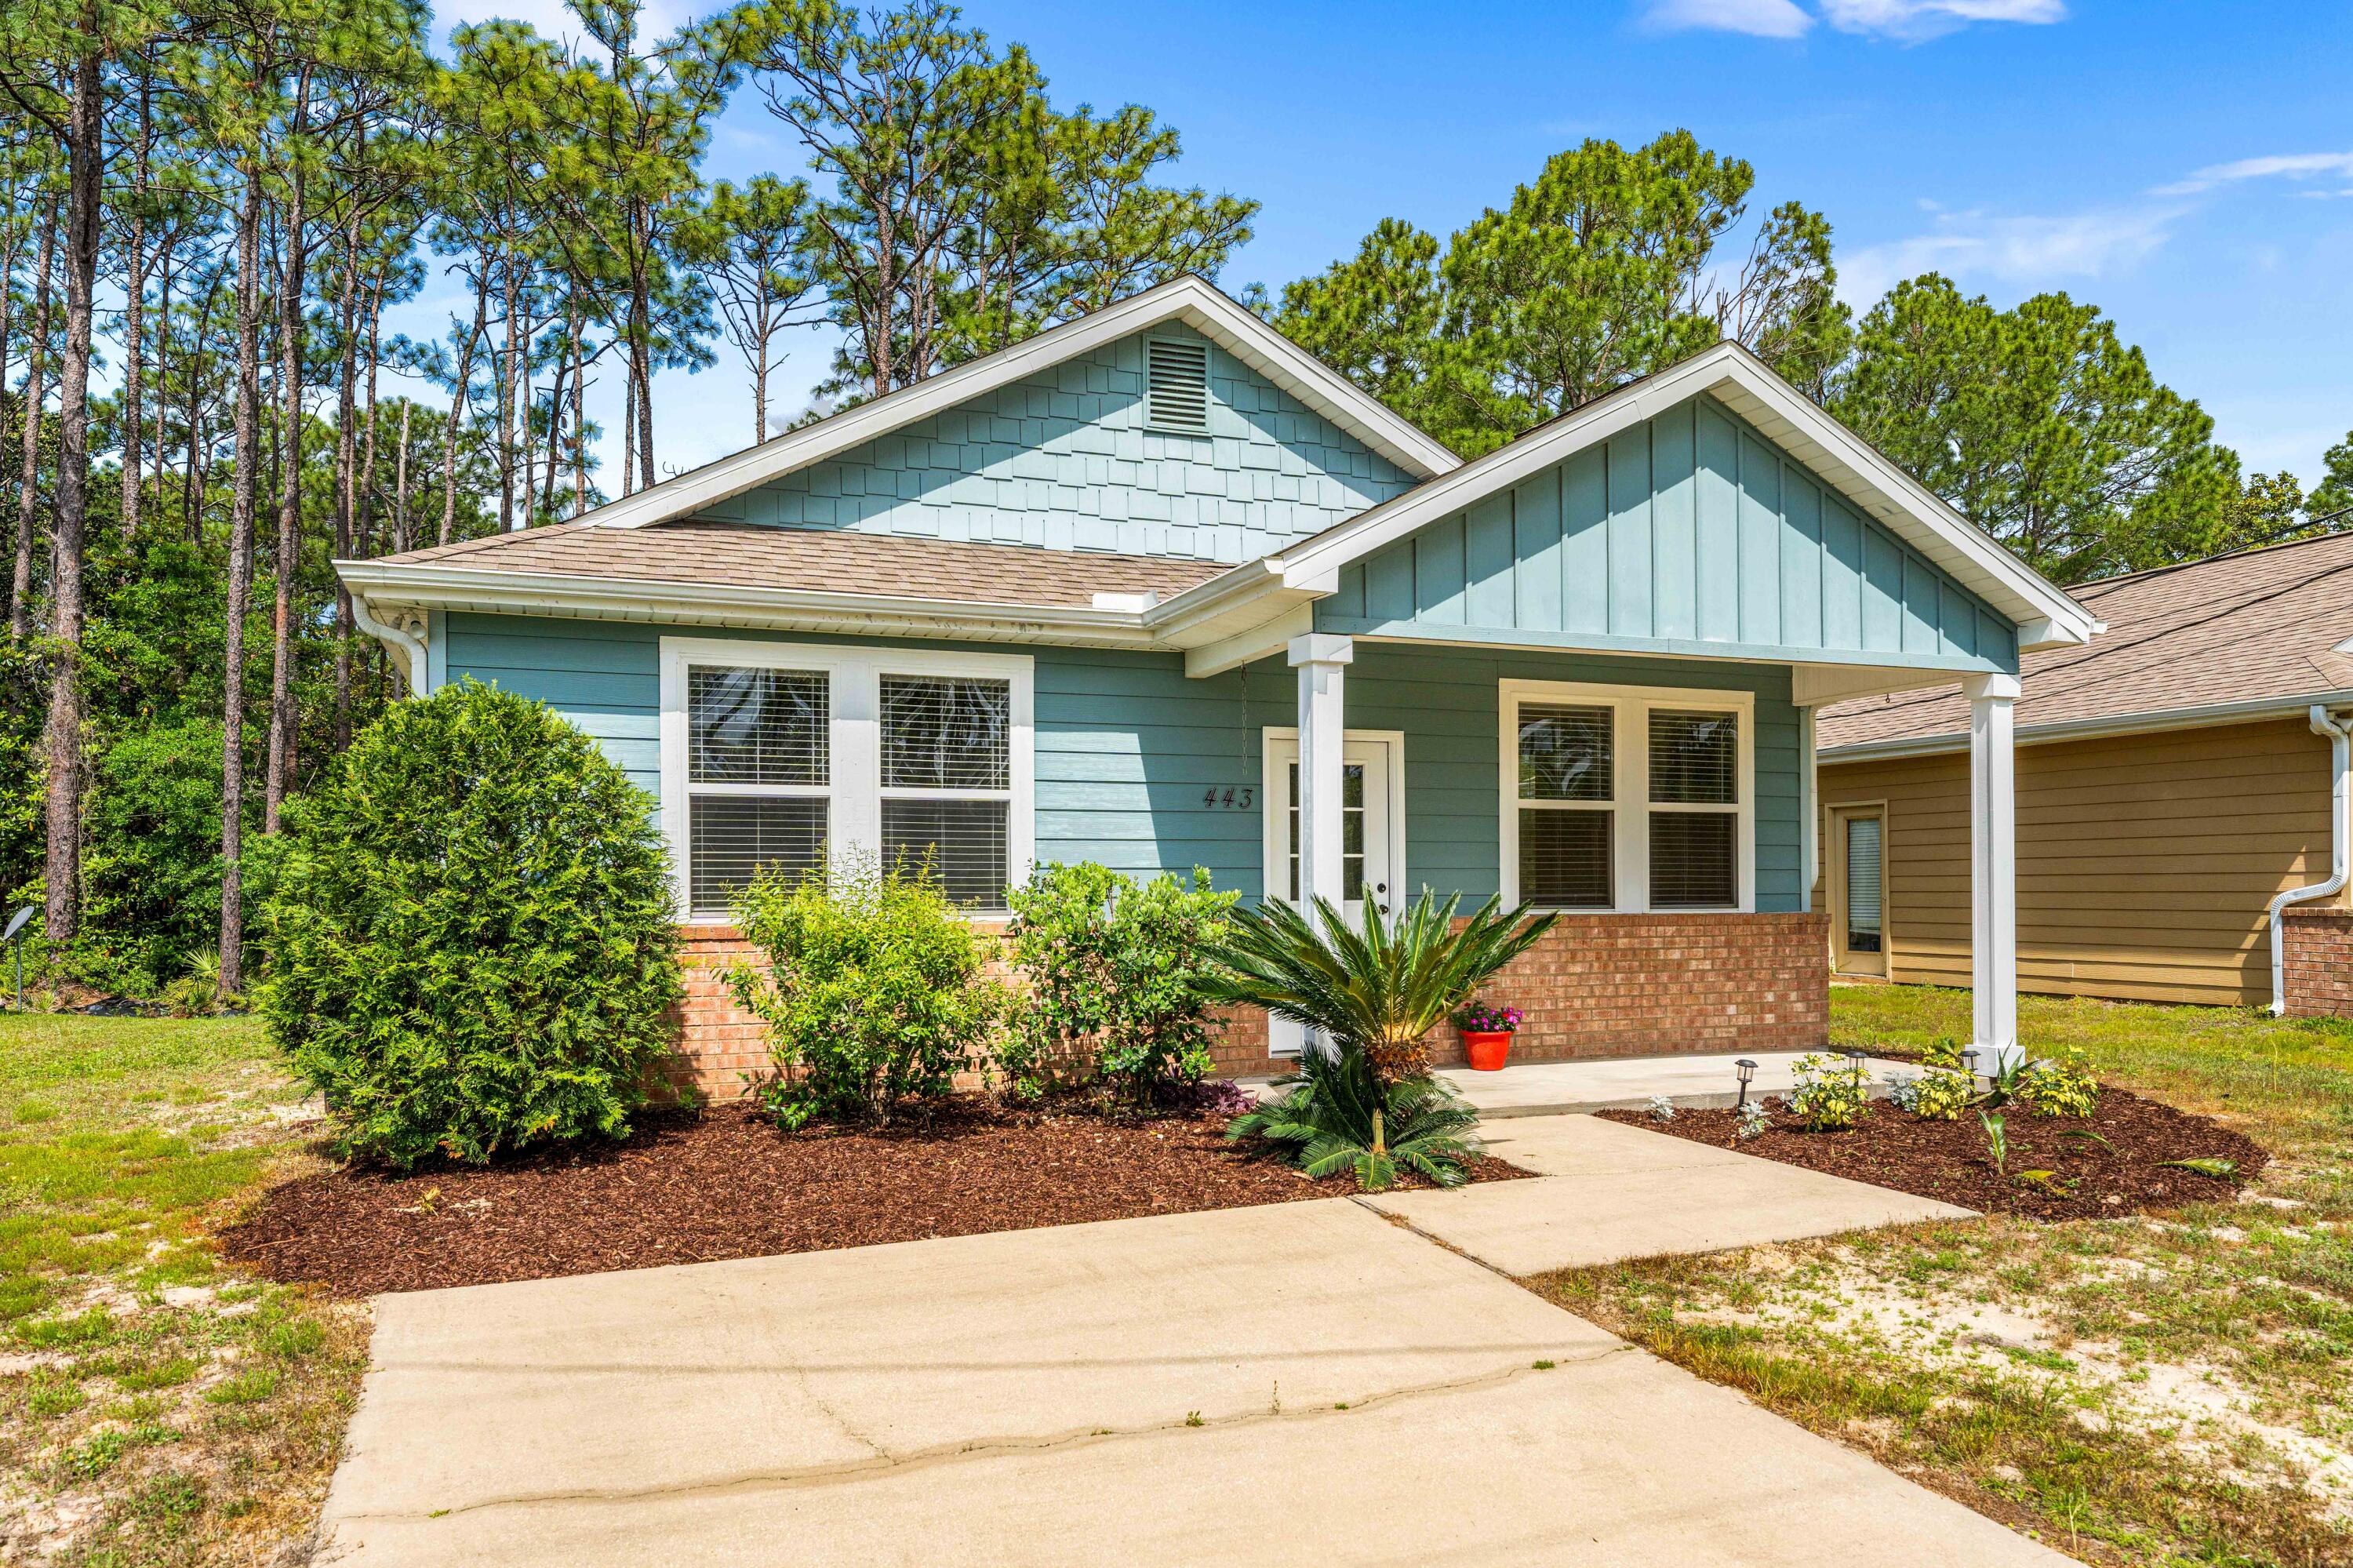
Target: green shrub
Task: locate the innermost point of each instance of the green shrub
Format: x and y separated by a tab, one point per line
1334	1114
2058	1086
1829	1093
1118	975
875	993
471	945
1942	1096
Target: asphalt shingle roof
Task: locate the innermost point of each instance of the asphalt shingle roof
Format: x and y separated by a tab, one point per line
2240	627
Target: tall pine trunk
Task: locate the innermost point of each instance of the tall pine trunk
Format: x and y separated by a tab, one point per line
244	507
134	315
280	779
347	413
451	430
85	167
28	488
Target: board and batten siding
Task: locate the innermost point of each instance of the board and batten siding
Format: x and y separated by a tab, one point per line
1063	460
1134	759
1686	534
2145	863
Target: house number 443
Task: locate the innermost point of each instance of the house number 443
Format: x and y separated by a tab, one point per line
1233	796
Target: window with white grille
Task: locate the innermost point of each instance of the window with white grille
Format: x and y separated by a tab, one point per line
1628	798
1177	395
773	754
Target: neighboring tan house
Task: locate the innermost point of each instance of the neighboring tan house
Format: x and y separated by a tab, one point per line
1158	589
2173	783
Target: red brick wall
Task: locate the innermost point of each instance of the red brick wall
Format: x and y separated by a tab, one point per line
1596	985
2318	960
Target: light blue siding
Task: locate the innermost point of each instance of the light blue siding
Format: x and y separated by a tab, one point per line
1062	460
1134	759
1689	534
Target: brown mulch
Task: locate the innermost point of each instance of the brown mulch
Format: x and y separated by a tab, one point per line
1947	1159
695	1188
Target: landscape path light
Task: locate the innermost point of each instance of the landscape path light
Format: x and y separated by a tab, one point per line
1748	1070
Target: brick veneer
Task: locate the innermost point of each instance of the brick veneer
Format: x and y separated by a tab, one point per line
1596	985
2318	962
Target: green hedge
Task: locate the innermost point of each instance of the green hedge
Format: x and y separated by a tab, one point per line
471	946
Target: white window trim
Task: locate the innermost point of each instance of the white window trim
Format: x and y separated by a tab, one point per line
1631	786
854	674
1274	846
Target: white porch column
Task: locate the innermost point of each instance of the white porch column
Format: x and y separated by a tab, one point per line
1320	658
1993	870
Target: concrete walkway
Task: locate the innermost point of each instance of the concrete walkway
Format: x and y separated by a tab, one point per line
1558	1089
1607	1192
1301	1381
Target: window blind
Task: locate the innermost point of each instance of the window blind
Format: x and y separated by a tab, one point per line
961	842
1694	860
1565	753
730	837
1863	884
1566	859
1694	758
947	740
758	727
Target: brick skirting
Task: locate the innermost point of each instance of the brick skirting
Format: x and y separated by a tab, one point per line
1596	985
2318	962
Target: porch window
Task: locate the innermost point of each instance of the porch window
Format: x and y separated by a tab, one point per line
1627	798
773	754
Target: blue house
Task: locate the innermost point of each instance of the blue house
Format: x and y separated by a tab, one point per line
1158	589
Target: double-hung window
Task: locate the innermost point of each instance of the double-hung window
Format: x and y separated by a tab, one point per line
775	754
1628	798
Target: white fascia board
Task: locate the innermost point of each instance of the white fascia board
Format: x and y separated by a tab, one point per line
2045	616
720	604
1187	299
2156	721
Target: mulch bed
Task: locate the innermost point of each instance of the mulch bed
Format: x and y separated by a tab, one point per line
695	1188
1947	1159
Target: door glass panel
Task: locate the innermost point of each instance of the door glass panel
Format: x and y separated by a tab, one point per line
1352	831
1863	884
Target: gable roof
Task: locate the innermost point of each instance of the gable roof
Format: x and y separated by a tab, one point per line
2233	637
1869	479
1187	300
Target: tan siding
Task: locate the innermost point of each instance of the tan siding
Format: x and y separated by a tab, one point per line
2145	863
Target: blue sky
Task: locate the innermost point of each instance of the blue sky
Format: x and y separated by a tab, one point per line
2187	167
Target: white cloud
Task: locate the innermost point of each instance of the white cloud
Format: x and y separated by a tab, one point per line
1912	20
1907	21
2289	166
2029	251
1758	18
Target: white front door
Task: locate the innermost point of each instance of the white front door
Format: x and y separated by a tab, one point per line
1369	845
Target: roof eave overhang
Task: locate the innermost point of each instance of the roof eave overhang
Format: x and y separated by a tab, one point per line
2154	721
2044	616
713	604
1187	300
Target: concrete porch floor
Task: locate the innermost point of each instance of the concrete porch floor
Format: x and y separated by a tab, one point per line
1628	1083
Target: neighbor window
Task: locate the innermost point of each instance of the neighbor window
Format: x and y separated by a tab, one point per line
1626	798
773	754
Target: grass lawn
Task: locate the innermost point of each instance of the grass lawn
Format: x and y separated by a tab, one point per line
2144	1391
156	1407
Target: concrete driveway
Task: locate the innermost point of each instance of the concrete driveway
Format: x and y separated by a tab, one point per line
1307	1381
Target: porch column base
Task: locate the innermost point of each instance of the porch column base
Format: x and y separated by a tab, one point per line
1993	870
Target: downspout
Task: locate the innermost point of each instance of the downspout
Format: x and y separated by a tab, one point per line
2339	746
407	644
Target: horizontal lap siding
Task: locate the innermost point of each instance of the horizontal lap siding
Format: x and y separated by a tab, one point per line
1135	761
1688	533
2145	863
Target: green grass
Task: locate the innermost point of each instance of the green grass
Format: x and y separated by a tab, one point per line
204	1419
2145	1393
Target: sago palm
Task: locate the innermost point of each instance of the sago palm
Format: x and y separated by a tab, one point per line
1333	1115
1378	985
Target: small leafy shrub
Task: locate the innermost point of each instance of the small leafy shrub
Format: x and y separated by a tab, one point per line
196	992
1480	1018
1756	1120
1207	1096
1335	1114
875	993
1943	1052
1829	1093
1118	973
1931	1096
2060	1086
1662	1107
472	944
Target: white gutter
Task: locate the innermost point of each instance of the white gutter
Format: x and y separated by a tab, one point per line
2340	747
410	647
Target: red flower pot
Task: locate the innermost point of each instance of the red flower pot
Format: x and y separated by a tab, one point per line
1487	1048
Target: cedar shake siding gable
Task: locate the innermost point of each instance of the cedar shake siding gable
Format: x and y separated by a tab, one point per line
1067	459
1686	534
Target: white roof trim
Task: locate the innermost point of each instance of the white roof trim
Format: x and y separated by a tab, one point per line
2044	616
2149	721
1187	300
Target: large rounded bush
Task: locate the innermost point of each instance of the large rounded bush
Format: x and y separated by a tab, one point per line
472	944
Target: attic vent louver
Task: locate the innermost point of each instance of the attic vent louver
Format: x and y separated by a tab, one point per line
1178	396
